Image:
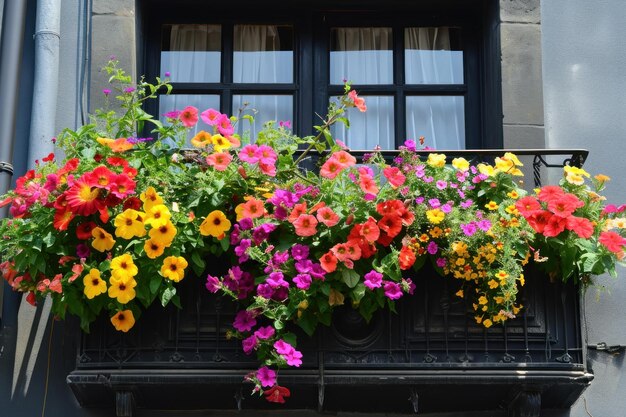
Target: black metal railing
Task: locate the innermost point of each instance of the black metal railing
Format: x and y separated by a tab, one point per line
420	357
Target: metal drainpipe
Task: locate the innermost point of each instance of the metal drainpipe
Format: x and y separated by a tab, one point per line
46	83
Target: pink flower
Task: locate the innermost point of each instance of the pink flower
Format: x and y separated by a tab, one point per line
327	216
359	102
303	281
266	376
249	344
264	333
612	241
331	169
219	160
373	279
224	126
395	177
244	321
291	355
305	225
249	154
268	169
189	116
210	117
392	290
212	283
266	155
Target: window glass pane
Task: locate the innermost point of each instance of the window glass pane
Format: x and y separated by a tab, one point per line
441	120
264	108
370	129
433	56
168	103
361	55
263	54
191	53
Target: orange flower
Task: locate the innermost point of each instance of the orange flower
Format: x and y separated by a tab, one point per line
116	145
251	209
201	140
327	216
123	321
328	262
406	257
219	160
305	225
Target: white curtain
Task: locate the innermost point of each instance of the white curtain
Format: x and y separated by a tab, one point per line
194	54
428	58
264	108
258	57
440	119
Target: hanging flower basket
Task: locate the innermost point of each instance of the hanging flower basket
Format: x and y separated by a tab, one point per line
121	220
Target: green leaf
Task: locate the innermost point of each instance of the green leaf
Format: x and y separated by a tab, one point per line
49	239
167	295
155	283
308	323
350	278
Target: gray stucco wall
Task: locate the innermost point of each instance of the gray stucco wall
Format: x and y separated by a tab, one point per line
585	107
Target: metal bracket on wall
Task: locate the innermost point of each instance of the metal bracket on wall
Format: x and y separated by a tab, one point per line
603	347
414	400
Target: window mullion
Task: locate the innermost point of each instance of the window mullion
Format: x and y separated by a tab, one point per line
399	99
226	102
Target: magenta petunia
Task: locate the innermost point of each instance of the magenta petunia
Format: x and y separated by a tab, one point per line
266	376
244	321
373	279
392	290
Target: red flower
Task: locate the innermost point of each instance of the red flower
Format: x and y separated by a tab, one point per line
550	192
395	177
384	239
539	220
62	219
122	186
406	258
132	203
83	230
395	207
565	205
369	230
613	241
189	116
391	224
555	226
528	206
277	394
328	262
83	198
581	226
100	177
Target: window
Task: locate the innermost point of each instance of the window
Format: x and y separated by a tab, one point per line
422	74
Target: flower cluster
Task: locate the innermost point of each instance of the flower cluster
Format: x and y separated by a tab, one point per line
115	226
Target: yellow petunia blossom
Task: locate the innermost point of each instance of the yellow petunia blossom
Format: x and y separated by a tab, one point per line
220	143
123	320
157	215
201	140
122	289
502	275
163	235
487	323
123	267
215	224
575	175
486	170
94	285
461	164
102	240
492	205
601	178
174	268
153	248
493	284
513	194
150	198
129	224
436	160
512	210
482	300
435	216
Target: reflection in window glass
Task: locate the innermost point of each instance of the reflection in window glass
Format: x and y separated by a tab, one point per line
431	56
168	103
441	120
191	53
263	54
264	108
361	56
370	129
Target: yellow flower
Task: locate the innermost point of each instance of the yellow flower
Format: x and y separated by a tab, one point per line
94	285
512	157
460	248
575	175
123	267
461	164
153	248
459	293
522	280
215	224
123	289
157	215
509	163
492	205
424	238
601	178
493	284
436	232
123	321
513	194
174	268
486	170
482	300
512	210
502	275
163	235
436	160
102	241
220	143
487	323
150	198
129	224
201	140
435	216
514	222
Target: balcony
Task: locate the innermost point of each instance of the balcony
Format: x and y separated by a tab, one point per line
412	361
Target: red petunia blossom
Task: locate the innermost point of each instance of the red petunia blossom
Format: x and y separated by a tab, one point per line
122	186
130	171
327	216
62	219
83	230
395	177
117	161
31	299
132	203
328	262
368	185
406	257
331	169
83	199
565	205
353	250
384	239
612	241
100	177
394	207
550	192
390	224
69	166
407	217
555	226
298	210
277	394
539	220
305	225
340	250
528	206
369	230
581	226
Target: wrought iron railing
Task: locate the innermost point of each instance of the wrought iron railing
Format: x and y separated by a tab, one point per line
421	357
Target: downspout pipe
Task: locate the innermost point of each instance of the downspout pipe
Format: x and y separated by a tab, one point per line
13	26
46	80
